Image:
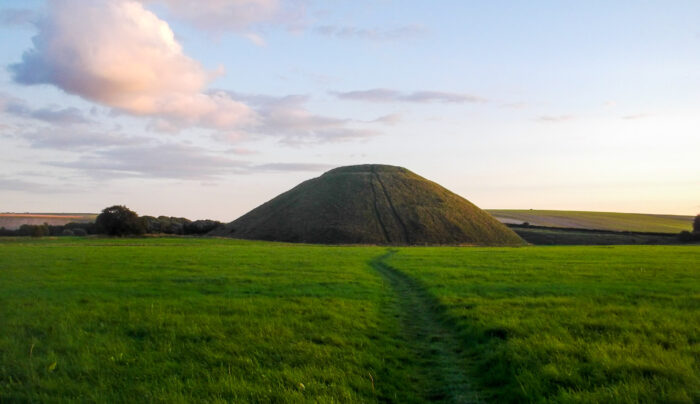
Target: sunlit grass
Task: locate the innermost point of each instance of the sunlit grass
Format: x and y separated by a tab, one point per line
186	319
571	324
181	320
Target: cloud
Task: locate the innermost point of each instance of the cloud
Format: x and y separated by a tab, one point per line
286	117
18	17
242	151
171	160
391	119
425	96
14	184
292	167
76	140
636	116
54	115
119	54
349	32
555	118
235	15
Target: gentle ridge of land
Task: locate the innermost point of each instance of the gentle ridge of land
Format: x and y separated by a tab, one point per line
638	222
13	221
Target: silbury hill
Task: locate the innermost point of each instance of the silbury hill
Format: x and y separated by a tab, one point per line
370	204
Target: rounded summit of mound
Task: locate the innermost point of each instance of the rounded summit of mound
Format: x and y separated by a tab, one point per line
370	204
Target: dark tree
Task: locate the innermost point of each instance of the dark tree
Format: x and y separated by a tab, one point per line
40	230
685	236
201	226
79	232
118	220
696	224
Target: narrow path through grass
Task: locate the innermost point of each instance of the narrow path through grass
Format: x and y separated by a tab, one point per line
433	342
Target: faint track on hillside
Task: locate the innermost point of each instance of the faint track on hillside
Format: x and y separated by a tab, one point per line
434	343
407	238
376	213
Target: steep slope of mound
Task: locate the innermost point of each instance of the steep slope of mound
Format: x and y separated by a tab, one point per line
370	204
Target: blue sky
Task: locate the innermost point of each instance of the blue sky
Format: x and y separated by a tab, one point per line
208	109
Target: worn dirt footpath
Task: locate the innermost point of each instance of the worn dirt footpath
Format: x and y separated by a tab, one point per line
433	342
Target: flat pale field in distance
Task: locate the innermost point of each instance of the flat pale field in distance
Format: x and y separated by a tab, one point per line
638	222
186	319
13	221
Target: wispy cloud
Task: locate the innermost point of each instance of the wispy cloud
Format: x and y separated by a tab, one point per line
555	118
241	16
391	119
372	34
54	115
636	116
22	185
296	167
286	117
71	139
173	161
423	96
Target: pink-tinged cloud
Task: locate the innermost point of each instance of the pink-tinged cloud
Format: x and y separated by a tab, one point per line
117	53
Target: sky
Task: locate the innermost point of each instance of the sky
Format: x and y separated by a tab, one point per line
207	109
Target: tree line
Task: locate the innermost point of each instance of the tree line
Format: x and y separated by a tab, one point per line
688	236
118	220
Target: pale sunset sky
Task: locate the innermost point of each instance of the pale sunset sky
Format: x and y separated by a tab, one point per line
206	109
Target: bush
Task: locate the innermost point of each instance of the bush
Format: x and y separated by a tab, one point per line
201	226
40	231
686	236
151	224
80	232
119	221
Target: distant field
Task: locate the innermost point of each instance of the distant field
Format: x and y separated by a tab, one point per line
13	221
567	236
192	320
638	222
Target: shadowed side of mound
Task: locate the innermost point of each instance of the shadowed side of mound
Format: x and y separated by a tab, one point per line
370	204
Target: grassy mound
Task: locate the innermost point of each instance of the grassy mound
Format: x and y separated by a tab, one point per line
371	204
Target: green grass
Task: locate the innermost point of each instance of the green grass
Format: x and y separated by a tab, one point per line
183	320
219	320
571	324
638	222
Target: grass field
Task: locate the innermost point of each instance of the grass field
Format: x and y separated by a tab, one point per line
181	320
638	222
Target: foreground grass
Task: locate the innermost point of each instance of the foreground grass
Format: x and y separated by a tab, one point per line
638	222
570	324
183	320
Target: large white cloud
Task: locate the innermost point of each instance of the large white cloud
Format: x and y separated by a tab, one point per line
120	54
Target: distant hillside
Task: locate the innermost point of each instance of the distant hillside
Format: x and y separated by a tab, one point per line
638	222
371	204
13	221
